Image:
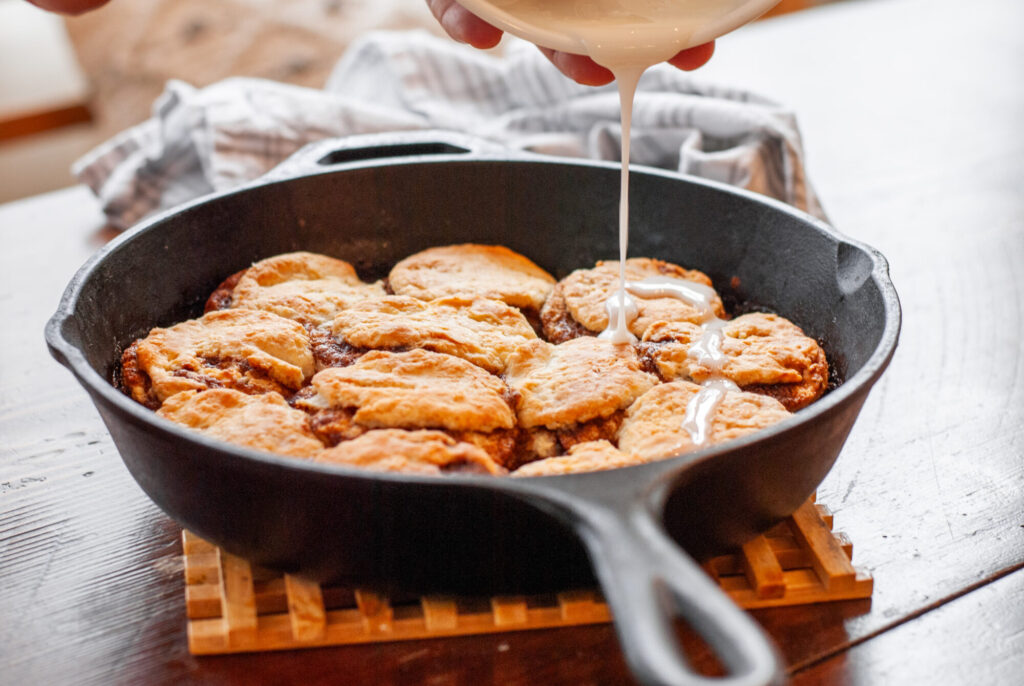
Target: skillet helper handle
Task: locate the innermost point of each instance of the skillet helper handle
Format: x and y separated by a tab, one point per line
648	580
334	152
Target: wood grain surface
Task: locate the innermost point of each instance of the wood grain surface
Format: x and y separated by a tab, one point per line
912	112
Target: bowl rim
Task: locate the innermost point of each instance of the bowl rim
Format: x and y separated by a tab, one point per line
746	12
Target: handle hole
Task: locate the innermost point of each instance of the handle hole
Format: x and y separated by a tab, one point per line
385	151
702	658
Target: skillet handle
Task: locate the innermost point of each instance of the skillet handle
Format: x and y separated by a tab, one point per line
335	152
648	580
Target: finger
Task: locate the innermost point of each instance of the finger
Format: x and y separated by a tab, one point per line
580	69
463	25
692	58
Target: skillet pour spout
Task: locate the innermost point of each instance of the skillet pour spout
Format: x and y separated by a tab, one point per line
374	200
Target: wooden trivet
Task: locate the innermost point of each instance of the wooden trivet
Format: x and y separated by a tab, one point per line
233	607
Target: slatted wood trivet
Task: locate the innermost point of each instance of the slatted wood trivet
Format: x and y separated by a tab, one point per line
233	607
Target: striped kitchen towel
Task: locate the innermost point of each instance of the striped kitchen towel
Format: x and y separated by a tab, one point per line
200	141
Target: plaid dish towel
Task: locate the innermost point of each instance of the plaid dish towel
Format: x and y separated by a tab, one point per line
199	141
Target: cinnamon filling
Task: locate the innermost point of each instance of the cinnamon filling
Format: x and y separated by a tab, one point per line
224	295
557	324
328	351
133	381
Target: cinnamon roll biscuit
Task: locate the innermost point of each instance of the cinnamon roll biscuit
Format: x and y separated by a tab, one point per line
417	389
309	288
577	389
246	350
481	331
473	271
576	306
413	452
591	456
654	427
764	353
264	422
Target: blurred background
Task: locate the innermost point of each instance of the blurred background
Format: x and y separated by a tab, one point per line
68	84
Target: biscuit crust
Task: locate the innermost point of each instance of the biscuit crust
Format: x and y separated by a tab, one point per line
264	422
247	350
417	389
412	452
481	331
581	297
307	287
473	271
562	386
591	456
653	427
765	354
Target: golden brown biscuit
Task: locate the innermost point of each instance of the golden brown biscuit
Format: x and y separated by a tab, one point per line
577	304
764	353
417	389
591	456
507	447
264	422
481	331
309	288
247	350
473	271
654	428
413	452
566	385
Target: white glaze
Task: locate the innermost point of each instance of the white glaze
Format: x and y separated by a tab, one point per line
707	351
697	294
622	309
701	409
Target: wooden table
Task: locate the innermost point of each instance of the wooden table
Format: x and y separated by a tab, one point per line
912	112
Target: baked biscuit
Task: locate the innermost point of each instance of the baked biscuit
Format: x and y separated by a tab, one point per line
576	306
414	452
591	456
248	350
654	425
577	389
481	331
764	353
473	271
417	389
264	422
309	288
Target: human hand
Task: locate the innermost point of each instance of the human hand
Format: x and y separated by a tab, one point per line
466	27
68	6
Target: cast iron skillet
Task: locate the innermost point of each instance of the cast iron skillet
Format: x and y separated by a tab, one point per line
374	200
